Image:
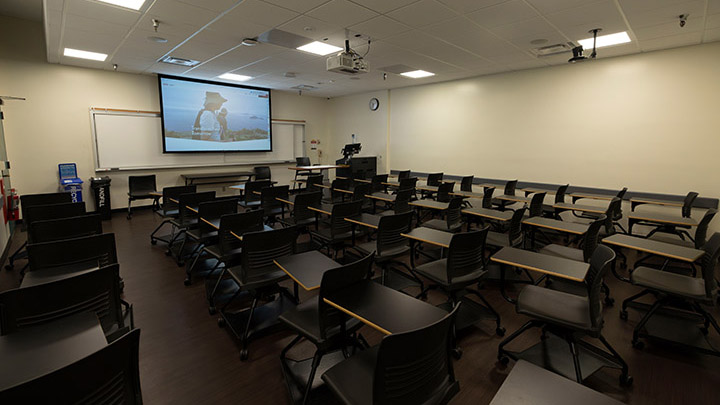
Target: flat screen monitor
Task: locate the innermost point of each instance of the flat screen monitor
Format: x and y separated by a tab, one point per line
203	116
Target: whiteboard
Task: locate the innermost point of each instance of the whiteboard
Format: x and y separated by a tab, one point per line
129	140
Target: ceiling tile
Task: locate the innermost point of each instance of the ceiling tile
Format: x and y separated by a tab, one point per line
669	28
712	21
379	27
318	29
423	13
214	5
524	29
576	22
553	6
255	12
527	64
383	6
102	12
712	35
464	34
98	42
503	14
87	24
301	6
342	13
713	7
180	13
644	17
466	6
674	41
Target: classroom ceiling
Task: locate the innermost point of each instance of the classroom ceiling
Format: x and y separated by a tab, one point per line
451	38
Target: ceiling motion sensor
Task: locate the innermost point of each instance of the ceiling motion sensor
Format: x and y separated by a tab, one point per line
578	50
250	42
156	25
683	19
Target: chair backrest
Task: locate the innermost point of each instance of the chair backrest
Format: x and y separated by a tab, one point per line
338	224
709	261
466	183
138	184
339	184
510	187
53	211
592	237
302	161
210	210
377	183
252	186
600	262
335	280
560	194
444	190
613	213
303	201
192	200
28	200
64	228
408	182
403	174
402	200
269	197
688	203
314	180
389	229
621	193
702	228
415	367
239	224
84	252
261	248
487	197
515	233
434	179
453	213
360	191
466	254
110	375
174	193
97	291
536	204
262	173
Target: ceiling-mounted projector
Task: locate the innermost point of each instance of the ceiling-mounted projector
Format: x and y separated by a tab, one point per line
347	62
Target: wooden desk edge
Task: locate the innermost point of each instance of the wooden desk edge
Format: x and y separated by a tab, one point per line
522	266
294	279
442	245
361	223
209	223
236	235
661	221
655	252
556	228
356	316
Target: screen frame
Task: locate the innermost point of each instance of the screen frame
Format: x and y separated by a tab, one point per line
188	79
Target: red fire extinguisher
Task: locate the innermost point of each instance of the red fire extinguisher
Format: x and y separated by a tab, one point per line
13	203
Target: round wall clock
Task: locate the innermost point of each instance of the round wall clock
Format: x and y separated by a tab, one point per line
374	104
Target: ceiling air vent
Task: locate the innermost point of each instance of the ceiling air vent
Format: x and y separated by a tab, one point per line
304	87
180	61
551	50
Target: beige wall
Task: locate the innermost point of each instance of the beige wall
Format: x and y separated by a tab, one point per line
53	125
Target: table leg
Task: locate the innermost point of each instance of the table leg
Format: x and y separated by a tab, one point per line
502	285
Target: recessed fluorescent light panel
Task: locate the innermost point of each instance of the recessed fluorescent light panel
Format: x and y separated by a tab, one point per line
319	48
606	40
417	74
235	77
76	53
131	4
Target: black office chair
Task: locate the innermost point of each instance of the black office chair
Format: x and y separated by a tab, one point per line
251	200
262	173
377	185
259	276
96	291
679	230
29	200
407	183
227	252
301	216
463	267
76	254
312	183
389	245
169	209
407	368
510	187
301	162
325	327
64	228
444	190
466	183
206	234
403	174
332	195
551	212
536	205
336	237
433	180
453	217
700	237
360	193
513	238
142	188
571	317
487	199
401	204
270	204
678	291
110	375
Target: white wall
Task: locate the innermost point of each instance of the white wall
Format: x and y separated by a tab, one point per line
53	125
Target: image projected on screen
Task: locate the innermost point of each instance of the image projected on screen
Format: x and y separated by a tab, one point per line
201	116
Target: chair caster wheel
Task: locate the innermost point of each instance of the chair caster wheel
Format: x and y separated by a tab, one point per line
500	331
609	301
153	242
624	315
221	322
457	353
187	282
243	355
504	360
212	310
638	344
626	380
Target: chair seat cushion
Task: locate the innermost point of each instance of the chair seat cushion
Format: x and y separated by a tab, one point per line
266	276
299	222
442	225
325	235
555	307
369	247
143	194
352	380
196	235
437	272
563	251
304	320
671	283
497	239
214	250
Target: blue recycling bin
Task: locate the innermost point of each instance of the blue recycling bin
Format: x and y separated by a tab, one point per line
69	181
